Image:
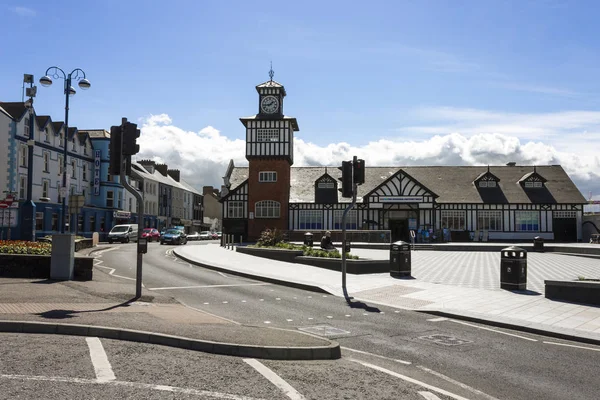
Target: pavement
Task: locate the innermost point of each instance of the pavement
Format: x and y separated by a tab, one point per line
105	307
458	284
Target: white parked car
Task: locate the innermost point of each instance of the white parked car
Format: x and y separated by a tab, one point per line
193	236
205	235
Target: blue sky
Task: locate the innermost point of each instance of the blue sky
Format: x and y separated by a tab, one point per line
356	73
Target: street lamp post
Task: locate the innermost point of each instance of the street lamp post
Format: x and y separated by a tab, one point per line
79	75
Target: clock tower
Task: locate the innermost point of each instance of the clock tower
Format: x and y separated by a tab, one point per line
270	155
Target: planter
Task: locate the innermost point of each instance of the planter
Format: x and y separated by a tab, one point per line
273	254
585	292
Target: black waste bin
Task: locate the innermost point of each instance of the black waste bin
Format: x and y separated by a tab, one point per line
513	268
347	248
400	264
308	239
538	244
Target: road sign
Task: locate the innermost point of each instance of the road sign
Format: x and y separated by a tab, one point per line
9	200
3	204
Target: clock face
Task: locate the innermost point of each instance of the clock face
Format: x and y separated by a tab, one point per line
269	104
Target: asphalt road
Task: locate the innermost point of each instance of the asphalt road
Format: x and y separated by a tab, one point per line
472	359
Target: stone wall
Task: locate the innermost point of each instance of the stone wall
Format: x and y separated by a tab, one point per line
38	267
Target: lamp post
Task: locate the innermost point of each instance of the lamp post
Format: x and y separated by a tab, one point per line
79	75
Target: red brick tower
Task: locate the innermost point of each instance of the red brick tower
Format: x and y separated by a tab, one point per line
270	154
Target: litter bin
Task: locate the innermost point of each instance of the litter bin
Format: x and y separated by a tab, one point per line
538	244
400	264
513	268
308	239
347	248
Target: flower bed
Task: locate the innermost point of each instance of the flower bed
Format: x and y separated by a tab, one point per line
24	247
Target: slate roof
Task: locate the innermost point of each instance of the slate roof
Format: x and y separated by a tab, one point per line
271	84
42	120
58	126
15	109
96	133
452	184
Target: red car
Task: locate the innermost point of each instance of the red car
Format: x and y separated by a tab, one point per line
151	234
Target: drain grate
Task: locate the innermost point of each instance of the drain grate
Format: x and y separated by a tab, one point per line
445	340
324	330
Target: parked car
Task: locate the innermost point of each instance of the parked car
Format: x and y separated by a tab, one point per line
123	233
214	235
219	234
173	236
193	236
151	234
205	235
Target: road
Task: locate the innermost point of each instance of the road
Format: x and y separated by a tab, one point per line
381	346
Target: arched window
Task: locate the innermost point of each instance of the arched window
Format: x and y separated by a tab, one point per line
267	209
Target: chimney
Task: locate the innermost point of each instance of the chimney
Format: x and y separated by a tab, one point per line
207	190
174	173
162	168
511	164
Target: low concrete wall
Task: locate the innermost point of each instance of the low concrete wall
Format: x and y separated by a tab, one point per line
357	267
81	244
273	254
586	292
335	264
38	267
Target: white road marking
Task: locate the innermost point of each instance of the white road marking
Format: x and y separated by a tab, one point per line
348	315
207	286
104	372
310	297
207	313
494	330
222	274
397	311
267	322
572	345
329	316
289	320
365	313
275	379
112	273
310	318
243	301
437	319
462	385
206	303
277	298
324	295
225	302
429	396
261	300
411	380
135	385
376	355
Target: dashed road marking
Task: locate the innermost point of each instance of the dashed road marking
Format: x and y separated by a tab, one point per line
267	322
275	379
104	372
289	320
348	315
429	396
225	302
329	316
411	380
376	355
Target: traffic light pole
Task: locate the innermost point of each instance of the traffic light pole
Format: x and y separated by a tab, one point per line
354	187
140	212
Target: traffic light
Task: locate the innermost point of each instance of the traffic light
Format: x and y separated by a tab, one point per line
359	171
130	134
347	185
115	151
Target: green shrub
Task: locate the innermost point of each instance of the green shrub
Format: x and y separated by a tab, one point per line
23	247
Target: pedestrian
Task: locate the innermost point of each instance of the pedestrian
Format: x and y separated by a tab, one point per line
326	243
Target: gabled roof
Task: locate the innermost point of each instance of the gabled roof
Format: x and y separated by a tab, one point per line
58	126
486	175
42	121
452	184
533	176
16	110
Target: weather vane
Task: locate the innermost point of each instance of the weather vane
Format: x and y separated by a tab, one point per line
271	72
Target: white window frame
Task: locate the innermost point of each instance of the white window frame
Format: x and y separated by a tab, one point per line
490	220
46	158
564	214
22	186
46	135
351	219
455	220
61	139
235	209
267	176
310	219
267	209
534	184
267	135
527	221
23	156
45	188
74	168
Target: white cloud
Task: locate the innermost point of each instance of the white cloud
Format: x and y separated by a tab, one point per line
203	156
24	11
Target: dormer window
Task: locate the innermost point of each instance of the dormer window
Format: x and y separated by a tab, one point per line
46	138
486	180
532	180
326	185
325	190
533	184
487	184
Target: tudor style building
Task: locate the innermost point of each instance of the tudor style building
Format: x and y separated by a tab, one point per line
499	203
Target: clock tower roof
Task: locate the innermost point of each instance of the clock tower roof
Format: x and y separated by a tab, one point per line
271	84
